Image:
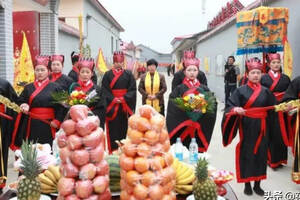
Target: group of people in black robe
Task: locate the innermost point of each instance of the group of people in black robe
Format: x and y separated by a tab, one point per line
264	135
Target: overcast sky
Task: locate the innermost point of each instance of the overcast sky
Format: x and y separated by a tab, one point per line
155	23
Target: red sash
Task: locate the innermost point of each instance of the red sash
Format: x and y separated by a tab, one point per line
54	76
2	113
41	113
118	94
38	89
75	69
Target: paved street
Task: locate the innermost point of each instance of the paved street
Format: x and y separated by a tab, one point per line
224	158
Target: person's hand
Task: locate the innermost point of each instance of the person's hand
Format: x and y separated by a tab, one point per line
239	110
151	97
24	108
288	107
53	124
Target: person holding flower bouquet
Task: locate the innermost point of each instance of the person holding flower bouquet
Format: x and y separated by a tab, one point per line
85	91
191	108
41	116
254	128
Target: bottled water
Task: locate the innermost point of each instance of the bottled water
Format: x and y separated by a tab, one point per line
193	149
179	149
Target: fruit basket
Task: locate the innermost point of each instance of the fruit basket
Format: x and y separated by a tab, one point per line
221	177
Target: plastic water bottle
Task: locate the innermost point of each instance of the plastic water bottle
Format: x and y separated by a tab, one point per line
179	149
193	149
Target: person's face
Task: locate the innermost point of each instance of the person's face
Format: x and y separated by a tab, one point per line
151	68
118	65
56	67
41	72
230	61
85	74
191	72
275	65
254	75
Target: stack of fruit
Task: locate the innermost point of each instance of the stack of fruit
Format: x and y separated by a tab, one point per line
49	179
81	152
185	176
146	171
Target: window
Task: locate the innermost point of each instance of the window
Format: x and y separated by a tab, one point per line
112	44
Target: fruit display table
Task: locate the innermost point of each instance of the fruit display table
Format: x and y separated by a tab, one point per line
230	195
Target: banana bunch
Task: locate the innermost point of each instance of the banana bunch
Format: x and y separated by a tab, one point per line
185	176
49	179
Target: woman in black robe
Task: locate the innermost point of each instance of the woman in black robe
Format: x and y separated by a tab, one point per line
251	151
74	73
277	83
179	76
42	117
119	90
57	63
85	84
6	127
179	124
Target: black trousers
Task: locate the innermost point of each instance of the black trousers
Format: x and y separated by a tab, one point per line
229	89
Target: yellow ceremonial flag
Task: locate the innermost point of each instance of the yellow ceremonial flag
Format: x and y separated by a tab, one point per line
287	59
206	64
23	72
101	64
80	34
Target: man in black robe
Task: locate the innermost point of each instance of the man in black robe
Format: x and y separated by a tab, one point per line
277	83
57	63
253	125
179	76
6	127
74	72
119	90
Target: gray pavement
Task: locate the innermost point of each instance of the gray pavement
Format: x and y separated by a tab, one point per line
224	158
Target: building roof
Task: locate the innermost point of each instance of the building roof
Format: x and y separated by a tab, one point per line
68	29
143	46
99	6
178	38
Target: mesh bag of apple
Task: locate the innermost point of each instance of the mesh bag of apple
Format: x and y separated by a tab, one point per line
85	173
145	161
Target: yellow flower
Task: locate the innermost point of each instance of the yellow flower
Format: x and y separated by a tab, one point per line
74	93
186	98
71	103
81	101
186	104
203	110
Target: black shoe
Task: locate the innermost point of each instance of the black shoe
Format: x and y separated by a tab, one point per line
248	190
259	191
276	168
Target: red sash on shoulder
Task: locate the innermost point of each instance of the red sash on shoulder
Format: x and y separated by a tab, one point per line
278	95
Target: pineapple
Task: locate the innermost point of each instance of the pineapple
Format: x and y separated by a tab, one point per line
29	188
204	188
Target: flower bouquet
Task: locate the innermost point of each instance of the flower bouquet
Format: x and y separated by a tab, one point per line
221	177
75	97
196	104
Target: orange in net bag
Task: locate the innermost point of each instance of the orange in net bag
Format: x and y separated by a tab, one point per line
145	161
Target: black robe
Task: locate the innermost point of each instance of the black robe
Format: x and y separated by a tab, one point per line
179	76
64	81
293	93
97	107
243	81
74	75
39	131
116	127
177	117
251	155
6	125
278	138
